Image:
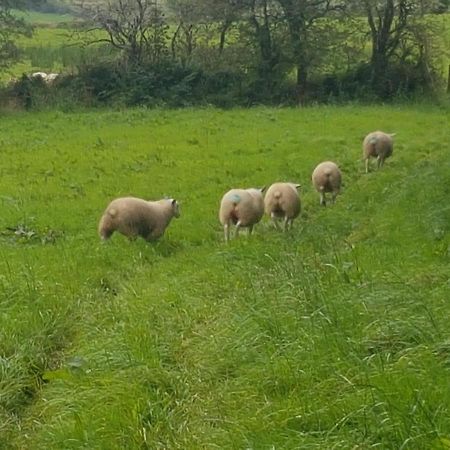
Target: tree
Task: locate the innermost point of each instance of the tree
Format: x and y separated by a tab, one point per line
263	17
300	17
203	18
397	36
136	27
10	28
388	21
223	13
187	15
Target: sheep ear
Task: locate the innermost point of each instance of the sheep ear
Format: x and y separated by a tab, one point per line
174	202
298	186
263	189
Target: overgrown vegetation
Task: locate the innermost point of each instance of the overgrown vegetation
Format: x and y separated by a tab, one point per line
263	52
334	335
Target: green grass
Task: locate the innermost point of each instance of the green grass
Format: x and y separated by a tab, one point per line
334	335
55	49
44	19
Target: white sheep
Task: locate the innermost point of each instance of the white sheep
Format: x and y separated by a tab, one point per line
51	78
241	207
136	217
327	177
39	75
283	201
47	78
377	144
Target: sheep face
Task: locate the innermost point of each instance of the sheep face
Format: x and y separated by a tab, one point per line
175	207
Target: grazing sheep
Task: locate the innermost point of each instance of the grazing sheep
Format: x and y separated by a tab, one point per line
51	78
327	177
379	145
136	217
38	75
282	201
243	208
47	78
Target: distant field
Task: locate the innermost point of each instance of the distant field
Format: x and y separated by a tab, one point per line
44	19
54	46
334	335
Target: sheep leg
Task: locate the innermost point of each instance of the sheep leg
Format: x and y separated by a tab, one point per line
238	226
286	224
250	230
226	231
275	221
149	237
322	199
380	161
106	234
333	198
153	235
367	165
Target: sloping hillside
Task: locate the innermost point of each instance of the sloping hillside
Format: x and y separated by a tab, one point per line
334	335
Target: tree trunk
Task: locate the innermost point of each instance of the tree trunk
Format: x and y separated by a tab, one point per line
448	80
302	84
223	31
300	59
269	55
379	79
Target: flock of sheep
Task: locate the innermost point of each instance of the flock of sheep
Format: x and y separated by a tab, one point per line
243	208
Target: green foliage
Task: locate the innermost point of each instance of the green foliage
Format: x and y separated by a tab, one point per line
10	28
324	337
50	6
235	75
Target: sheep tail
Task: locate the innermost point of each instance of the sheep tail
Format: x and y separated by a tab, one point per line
277	195
112	212
235	199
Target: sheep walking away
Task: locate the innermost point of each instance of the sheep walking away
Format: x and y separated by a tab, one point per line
282	201
327	178
242	208
378	145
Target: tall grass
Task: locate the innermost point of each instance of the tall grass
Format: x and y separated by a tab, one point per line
334	335
56	48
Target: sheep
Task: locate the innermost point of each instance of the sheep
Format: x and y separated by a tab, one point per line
243	208
136	217
38	76
379	145
327	177
47	78
283	201
51	78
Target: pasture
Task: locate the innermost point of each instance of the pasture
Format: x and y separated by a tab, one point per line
334	335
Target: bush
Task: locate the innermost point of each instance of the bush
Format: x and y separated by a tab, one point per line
174	85
400	80
168	84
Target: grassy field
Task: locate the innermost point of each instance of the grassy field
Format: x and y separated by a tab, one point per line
334	335
54	47
44	19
